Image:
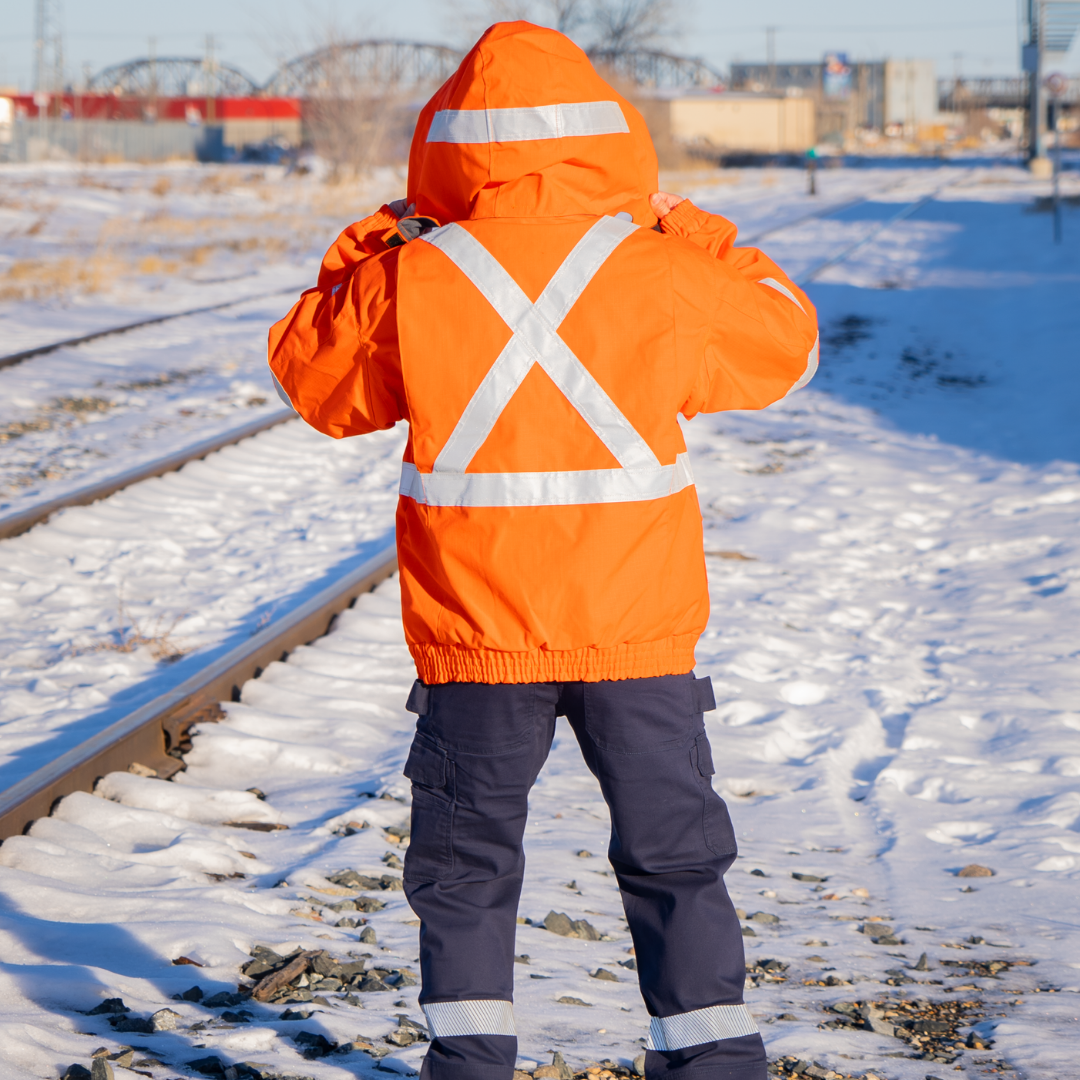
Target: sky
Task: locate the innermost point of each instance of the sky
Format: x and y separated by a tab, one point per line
978	37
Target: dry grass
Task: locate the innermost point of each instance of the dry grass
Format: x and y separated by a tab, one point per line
39	279
132	636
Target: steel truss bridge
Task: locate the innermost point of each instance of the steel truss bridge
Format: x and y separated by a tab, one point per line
658	70
366	68
173	76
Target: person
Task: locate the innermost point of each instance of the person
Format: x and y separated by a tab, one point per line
540	314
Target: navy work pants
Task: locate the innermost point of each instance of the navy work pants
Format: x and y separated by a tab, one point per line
477	753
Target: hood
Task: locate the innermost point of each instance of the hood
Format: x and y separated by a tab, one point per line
526	128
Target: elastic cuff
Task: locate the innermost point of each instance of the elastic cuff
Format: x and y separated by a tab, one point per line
684	219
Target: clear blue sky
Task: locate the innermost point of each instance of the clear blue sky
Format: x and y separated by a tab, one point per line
980	35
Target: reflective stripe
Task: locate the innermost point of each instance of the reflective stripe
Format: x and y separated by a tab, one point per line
536	340
811	367
281	391
522	125
447	1018
546	488
700	1026
774	284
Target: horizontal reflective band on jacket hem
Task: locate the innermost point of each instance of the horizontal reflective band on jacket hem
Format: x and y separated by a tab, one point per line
442	663
448	1018
700	1026
582	488
522	125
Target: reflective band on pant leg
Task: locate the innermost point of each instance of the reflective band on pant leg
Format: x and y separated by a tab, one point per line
447	1018
700	1026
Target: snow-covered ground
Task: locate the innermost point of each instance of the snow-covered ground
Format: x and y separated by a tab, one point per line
894	572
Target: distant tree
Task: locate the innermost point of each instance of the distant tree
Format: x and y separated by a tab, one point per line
607	25
624	25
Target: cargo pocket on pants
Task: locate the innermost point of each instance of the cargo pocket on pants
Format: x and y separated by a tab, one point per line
430	854
719	832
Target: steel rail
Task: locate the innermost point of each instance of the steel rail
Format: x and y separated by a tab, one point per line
152	735
41	350
23	520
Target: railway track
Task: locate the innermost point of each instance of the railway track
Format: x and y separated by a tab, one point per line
42	350
154	735
23	520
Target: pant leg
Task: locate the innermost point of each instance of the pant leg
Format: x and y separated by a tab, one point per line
476	755
671	843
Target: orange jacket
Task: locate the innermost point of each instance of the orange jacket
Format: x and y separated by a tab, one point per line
541	345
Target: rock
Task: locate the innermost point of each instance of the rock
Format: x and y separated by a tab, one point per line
758	873
132	1024
604	974
630	965
860	891
399	832
558	1068
975	870
100	1069
242	1017
809	878
348	924
313	1045
560	923
739	913
194	993
922	964
567	1000
583	854
368	936
295	1014
639	1065
164	1020
208	1066
764	917
787	1016
748	932
393	860
222	999
110	1006
76	1072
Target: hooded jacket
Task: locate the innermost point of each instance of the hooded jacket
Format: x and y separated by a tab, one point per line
541	333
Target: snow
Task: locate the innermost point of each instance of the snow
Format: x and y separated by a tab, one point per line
893	565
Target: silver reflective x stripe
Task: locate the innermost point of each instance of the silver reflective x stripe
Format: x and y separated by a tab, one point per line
812	359
774	284
522	125
700	1026
536	341
811	367
446	1018
545	488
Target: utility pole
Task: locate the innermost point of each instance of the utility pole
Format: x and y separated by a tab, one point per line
209	75
1031	56
48	48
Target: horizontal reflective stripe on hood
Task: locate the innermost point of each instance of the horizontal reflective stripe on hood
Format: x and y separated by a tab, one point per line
523	125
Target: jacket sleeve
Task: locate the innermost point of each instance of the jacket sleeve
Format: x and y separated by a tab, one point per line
762	339
335	355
